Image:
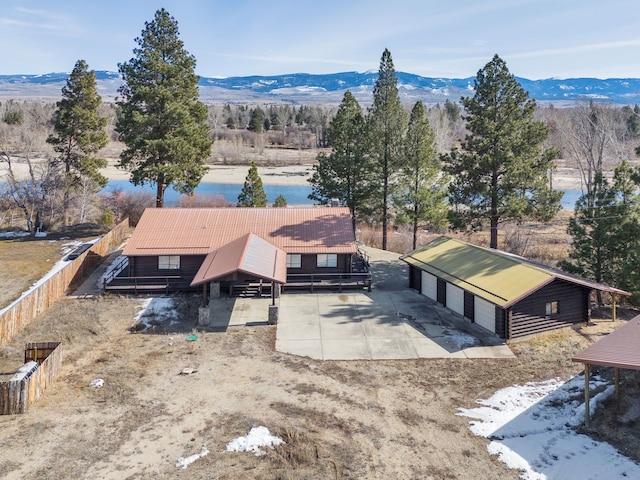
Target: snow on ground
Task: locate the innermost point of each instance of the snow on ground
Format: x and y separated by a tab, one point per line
156	310
255	441
14	234
184	462
461	339
531	428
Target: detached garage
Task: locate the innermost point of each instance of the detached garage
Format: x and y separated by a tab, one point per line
504	293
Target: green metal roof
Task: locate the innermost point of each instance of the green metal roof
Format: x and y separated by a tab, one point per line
495	276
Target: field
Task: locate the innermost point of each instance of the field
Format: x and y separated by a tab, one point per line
355	419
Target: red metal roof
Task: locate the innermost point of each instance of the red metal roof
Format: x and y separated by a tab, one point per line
199	231
249	254
621	348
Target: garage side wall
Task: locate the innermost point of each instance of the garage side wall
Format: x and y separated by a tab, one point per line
530	315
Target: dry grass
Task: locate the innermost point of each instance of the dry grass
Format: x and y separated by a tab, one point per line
546	243
357	419
26	259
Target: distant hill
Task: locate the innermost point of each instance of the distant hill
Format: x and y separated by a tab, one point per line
329	88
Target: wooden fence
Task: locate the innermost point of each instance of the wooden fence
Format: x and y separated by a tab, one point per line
42	363
20	313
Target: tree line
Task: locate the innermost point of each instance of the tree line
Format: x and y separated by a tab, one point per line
477	163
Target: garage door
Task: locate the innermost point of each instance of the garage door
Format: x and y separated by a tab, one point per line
485	314
455	299
430	286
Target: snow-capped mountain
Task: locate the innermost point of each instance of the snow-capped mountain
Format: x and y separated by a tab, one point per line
329	88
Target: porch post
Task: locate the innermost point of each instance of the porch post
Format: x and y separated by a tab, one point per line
587	370
613	306
617	381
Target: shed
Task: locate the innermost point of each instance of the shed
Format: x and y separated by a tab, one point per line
504	293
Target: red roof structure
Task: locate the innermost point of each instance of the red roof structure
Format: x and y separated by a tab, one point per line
619	349
249	254
200	231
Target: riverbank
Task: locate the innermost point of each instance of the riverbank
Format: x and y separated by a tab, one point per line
236	174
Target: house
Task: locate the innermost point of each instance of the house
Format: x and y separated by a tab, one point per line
504	293
232	248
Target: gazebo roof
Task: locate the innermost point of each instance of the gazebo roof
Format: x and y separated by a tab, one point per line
620	349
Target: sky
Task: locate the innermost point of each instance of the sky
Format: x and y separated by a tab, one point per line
538	39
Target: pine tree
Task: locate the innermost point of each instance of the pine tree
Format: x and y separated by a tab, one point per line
79	133
387	122
280	201
500	171
252	194
345	172
605	230
422	199
161	120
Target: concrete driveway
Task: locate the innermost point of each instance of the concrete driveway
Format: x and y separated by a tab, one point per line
391	322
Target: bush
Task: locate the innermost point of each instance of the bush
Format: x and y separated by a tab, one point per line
133	204
202	201
13	117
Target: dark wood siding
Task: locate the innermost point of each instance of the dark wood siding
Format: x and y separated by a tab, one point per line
148	267
469	310
442	292
415	278
529	314
502	322
309	264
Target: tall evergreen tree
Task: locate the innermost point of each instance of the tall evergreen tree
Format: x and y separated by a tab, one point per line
344	173
79	133
161	120
386	125
500	171
422	199
605	230
252	194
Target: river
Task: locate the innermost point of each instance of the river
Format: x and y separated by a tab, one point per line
295	194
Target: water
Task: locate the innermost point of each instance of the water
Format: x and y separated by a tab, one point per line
294	194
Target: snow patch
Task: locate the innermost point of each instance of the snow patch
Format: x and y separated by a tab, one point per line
256	439
531	428
184	462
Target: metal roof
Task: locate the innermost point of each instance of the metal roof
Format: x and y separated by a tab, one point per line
249	254
618	349
199	231
498	277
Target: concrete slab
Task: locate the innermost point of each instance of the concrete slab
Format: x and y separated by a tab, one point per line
338	329
391	322
397	348
307	330
311	348
345	349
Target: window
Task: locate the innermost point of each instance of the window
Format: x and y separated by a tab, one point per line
552	308
294	260
169	262
327	260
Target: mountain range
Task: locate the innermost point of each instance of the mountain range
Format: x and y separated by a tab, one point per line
329	88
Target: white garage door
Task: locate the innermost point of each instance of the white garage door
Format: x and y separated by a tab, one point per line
430	286
485	314
455	299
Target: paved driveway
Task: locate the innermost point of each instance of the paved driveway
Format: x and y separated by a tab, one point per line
390	322
378	325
